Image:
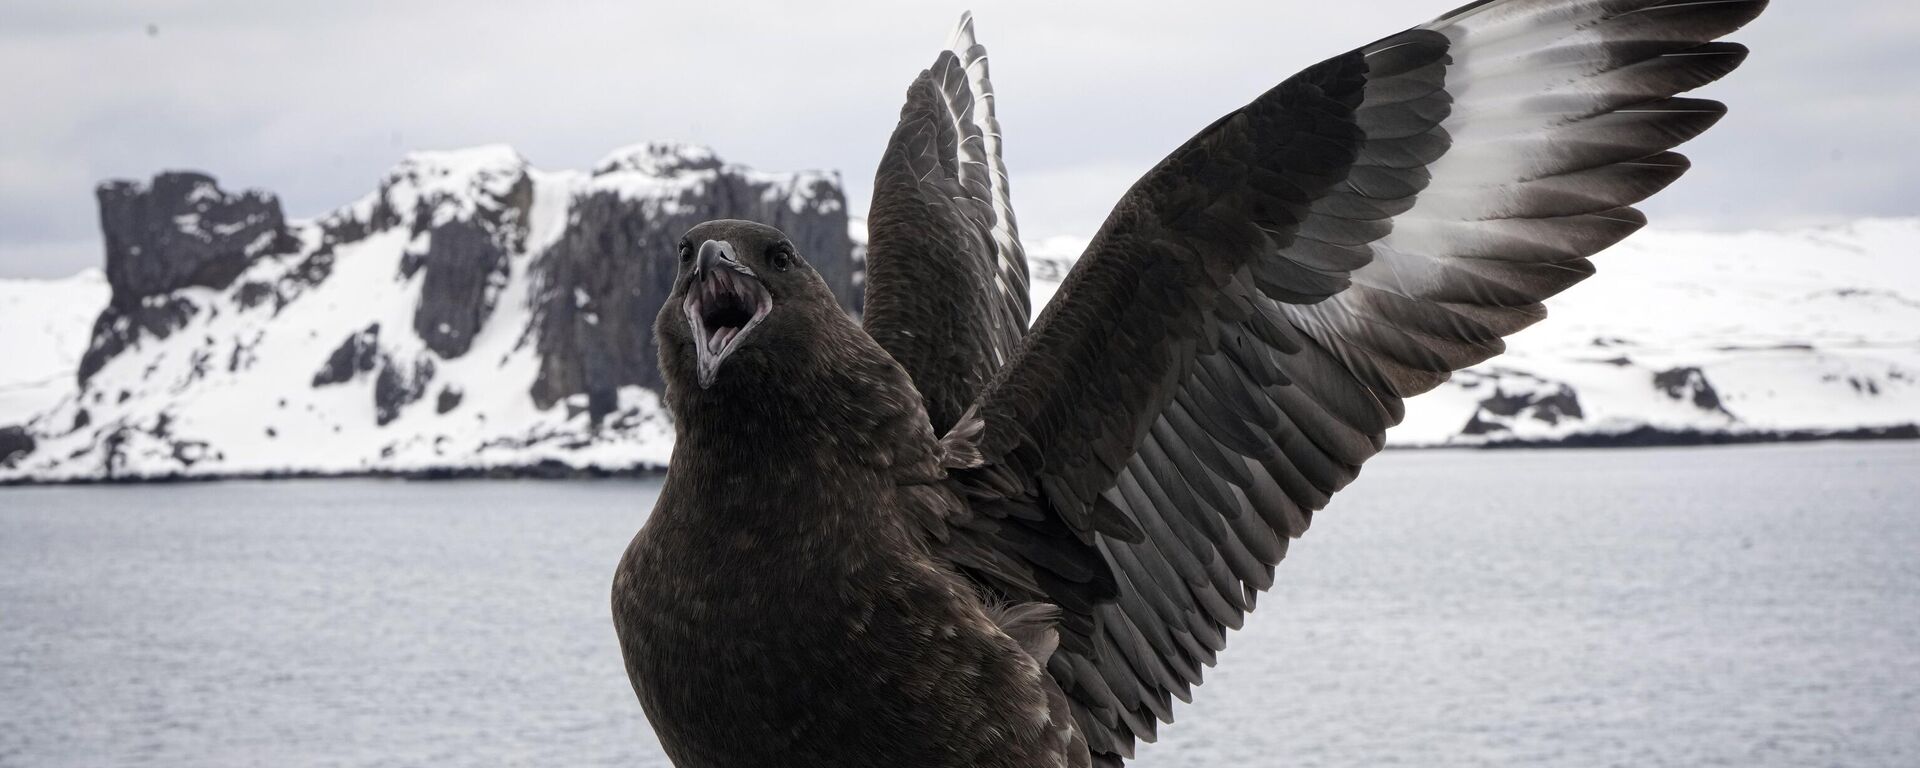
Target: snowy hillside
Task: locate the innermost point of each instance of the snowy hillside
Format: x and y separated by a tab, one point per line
475	314
1747	334
471	314
43	331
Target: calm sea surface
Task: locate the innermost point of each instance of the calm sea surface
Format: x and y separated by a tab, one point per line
1739	607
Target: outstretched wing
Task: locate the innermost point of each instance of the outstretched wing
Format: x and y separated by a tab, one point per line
1242	332
946	278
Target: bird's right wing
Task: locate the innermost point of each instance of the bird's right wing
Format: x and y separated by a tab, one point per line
946	277
1242	332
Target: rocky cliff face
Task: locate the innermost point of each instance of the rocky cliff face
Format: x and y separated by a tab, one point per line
180	230
472	311
15	443
594	319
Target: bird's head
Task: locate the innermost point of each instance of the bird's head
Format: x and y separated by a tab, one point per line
743	305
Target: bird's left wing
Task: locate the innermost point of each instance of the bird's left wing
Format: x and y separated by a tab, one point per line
1242	331
946	278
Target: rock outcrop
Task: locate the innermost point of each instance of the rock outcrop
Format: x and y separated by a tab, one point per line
239	342
177	231
464	237
181	229
398	386
15	444
1689	384
1517	397
359	354
597	300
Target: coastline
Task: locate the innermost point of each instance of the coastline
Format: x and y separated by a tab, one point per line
1640	437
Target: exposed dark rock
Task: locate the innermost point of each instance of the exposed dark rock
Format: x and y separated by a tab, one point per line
242	357
190	452
1478	426
120	327
15	443
1497	412
1560	405
598	294
1661	437
1690	383
312	270
113	452
350	225
398	386
600	286
198	363
358	354
81	420
252	293
179	230
449	399
182	230
466	266
470	228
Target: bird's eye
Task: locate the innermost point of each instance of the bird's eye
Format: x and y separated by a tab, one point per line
781	259
686	251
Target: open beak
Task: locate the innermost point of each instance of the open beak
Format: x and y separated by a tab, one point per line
725	302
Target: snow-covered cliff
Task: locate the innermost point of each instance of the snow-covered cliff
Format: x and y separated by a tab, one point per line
474	314
471	314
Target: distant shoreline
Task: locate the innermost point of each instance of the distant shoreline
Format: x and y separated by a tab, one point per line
1656	437
1639	437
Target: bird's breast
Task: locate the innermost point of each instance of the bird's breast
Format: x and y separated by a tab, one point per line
846	651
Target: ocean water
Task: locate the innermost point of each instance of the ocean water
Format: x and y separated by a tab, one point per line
1737	606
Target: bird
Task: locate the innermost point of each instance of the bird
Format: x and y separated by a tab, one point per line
947	533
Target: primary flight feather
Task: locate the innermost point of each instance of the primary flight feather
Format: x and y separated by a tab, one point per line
939	538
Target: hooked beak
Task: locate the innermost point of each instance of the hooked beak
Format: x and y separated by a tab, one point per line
725	302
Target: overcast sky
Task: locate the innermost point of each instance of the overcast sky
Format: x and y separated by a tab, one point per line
314	101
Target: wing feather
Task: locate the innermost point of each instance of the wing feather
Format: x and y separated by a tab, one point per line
946	277
1245	327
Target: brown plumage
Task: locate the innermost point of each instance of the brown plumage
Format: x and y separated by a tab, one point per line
941	540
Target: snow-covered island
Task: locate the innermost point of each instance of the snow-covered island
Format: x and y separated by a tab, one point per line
476	315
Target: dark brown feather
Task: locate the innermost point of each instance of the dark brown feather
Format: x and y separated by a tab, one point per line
946	277
1244	328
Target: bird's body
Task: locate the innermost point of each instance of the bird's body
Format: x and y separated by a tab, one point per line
806	642
779	610
940	538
